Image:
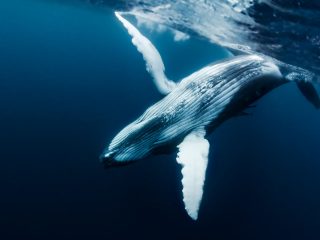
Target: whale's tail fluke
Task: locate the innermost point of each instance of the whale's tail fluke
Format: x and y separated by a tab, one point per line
311	91
308	84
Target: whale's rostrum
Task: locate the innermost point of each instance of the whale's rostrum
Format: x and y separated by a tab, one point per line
194	107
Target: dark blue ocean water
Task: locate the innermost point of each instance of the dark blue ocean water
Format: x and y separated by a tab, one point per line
70	80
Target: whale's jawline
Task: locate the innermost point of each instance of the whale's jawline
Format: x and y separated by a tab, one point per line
115	164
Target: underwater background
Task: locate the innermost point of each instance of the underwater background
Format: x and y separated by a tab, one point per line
70	79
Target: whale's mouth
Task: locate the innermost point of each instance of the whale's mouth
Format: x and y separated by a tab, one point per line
109	160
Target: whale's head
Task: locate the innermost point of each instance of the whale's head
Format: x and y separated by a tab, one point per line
136	141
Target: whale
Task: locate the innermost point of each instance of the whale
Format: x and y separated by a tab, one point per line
194	107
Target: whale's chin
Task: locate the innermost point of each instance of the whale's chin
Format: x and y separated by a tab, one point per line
109	161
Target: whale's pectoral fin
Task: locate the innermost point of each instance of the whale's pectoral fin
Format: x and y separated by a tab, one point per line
151	56
193	156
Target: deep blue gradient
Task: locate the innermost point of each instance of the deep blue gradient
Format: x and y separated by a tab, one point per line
70	79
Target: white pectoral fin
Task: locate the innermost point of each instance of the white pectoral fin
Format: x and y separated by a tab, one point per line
193	156
151	56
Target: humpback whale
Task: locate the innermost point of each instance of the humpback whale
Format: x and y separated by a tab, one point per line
194	107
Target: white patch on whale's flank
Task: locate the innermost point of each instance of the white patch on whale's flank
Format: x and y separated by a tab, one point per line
193	156
151	56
